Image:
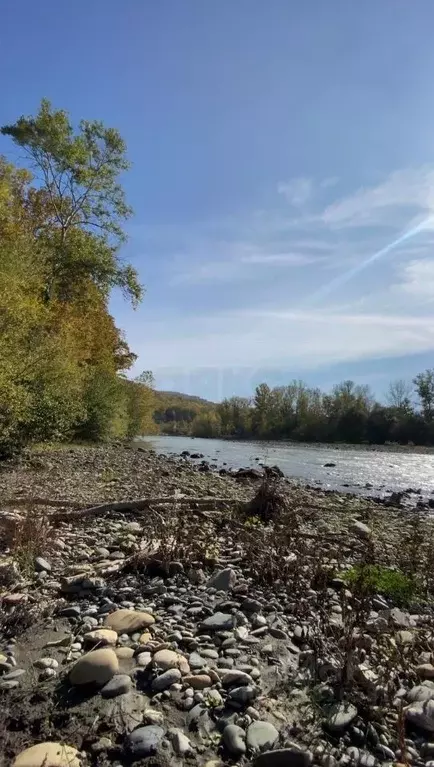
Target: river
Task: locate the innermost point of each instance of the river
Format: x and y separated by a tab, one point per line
356	470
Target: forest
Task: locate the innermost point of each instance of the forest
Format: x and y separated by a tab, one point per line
63	361
348	414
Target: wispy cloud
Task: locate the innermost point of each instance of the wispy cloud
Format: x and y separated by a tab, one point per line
285	338
282	259
247	266
296	191
418	280
367	253
404	193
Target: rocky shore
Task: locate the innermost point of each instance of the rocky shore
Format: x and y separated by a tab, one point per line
220	620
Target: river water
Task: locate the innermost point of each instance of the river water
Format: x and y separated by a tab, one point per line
357	470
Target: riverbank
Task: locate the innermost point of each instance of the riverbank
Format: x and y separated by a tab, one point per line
234	617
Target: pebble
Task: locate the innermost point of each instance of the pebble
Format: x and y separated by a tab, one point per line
46	663
251	606
341	716
236	678
41	564
223	580
167	659
101	745
210	654
181	744
166	679
196	661
8	684
197	681
128	621
425	671
261	735
101	637
283	757
47	673
218	622
421	714
125	653
213	698
360	530
234	739
119	684
385	752
151	716
15	674
242	694
144	741
70	612
96	667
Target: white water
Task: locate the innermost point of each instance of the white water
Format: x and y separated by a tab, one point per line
358	470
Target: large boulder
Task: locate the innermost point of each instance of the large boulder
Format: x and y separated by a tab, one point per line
48	754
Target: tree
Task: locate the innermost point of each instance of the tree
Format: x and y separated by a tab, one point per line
399	394
61	355
262	406
84	203
424	384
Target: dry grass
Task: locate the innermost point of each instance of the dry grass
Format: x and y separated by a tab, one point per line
25	537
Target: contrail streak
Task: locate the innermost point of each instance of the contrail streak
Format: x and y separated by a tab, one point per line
346	276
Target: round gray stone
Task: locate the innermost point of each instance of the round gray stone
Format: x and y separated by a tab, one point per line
144	741
165	680
261	735
119	684
218	622
341	716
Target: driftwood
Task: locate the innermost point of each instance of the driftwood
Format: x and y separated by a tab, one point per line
53	502
137	505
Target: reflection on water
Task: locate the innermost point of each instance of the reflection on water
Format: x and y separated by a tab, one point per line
362	471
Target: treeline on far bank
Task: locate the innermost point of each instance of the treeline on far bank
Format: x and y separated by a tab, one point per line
349	413
62	358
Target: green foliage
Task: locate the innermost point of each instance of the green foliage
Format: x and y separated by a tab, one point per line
176	413
207	424
103	402
347	414
140	397
85	204
424	384
375	579
61	355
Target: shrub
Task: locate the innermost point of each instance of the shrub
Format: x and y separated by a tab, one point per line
373	579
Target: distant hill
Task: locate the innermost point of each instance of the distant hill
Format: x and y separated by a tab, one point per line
179	395
175	412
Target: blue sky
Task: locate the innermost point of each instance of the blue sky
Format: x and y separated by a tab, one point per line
279	149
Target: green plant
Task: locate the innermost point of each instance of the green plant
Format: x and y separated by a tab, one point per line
372	579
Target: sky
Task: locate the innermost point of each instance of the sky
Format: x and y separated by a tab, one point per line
282	177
